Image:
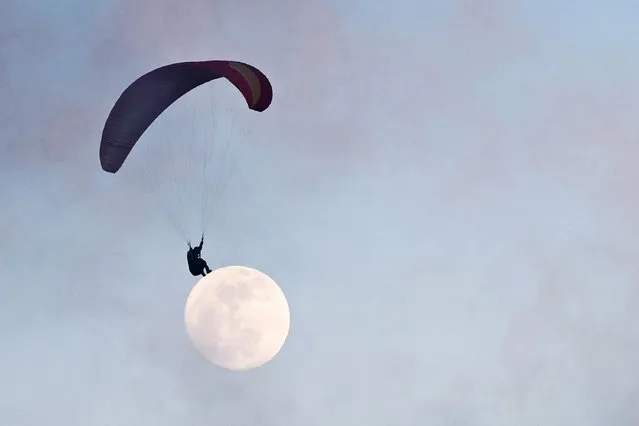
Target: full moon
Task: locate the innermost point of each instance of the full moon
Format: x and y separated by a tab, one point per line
237	317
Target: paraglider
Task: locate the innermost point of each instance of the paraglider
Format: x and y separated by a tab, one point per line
197	265
144	100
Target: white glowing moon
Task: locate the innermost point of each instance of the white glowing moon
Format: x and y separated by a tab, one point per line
237	317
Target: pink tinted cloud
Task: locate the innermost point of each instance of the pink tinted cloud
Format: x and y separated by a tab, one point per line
586	139
332	87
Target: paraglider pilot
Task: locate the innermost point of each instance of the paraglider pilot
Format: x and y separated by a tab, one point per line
197	265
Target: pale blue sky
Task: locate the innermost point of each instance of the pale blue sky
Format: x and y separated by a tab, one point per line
447	196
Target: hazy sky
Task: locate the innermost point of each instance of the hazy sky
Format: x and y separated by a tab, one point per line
446	194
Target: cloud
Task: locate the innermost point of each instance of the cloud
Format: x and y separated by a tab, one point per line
449	208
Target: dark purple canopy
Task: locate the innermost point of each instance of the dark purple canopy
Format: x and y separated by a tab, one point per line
148	96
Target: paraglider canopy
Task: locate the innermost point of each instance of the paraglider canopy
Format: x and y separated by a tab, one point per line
183	163
148	96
